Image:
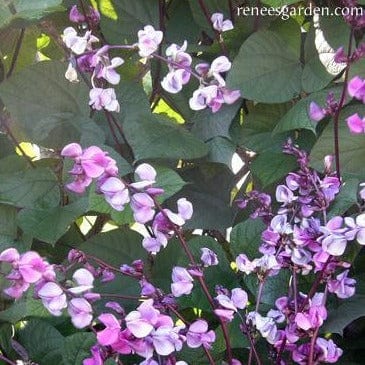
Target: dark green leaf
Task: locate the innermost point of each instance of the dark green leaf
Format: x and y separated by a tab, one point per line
297	117
257	127
269	167
77	348
352	147
168	180
153	138
56	114
48	225
346	312
208	125
117	247
209	189
35	188
7	221
246	238
346	198
265	70
121	19
42	341
221	150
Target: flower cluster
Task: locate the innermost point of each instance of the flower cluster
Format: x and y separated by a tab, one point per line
93	163
300	239
212	91
29	268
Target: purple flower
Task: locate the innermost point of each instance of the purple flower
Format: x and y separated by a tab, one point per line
154	244
330	352
284	195
219	24
179	68
198	335
356	124
330	187
182	282
244	264
80	311
53	298
173	82
316	113
208	257
149	40
204	97
334	240
340	56
342	286
104	99
107	69
265	325
75	16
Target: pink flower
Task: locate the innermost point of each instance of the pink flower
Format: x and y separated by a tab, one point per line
356	88
330	352
182	282
265	325
115	193
208	257
108	70
110	334
53	298
219	24
356	124
173	82
149	40
96	358
342	286
198	335
238	300
244	264
84	278
80	311
314	316
75	16
143	207
104	99
219	65
166	339
89	163
142	321
334	240
76	43
316	113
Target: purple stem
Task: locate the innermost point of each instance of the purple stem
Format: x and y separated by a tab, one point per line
338	110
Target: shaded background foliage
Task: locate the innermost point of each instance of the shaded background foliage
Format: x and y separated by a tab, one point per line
279	66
